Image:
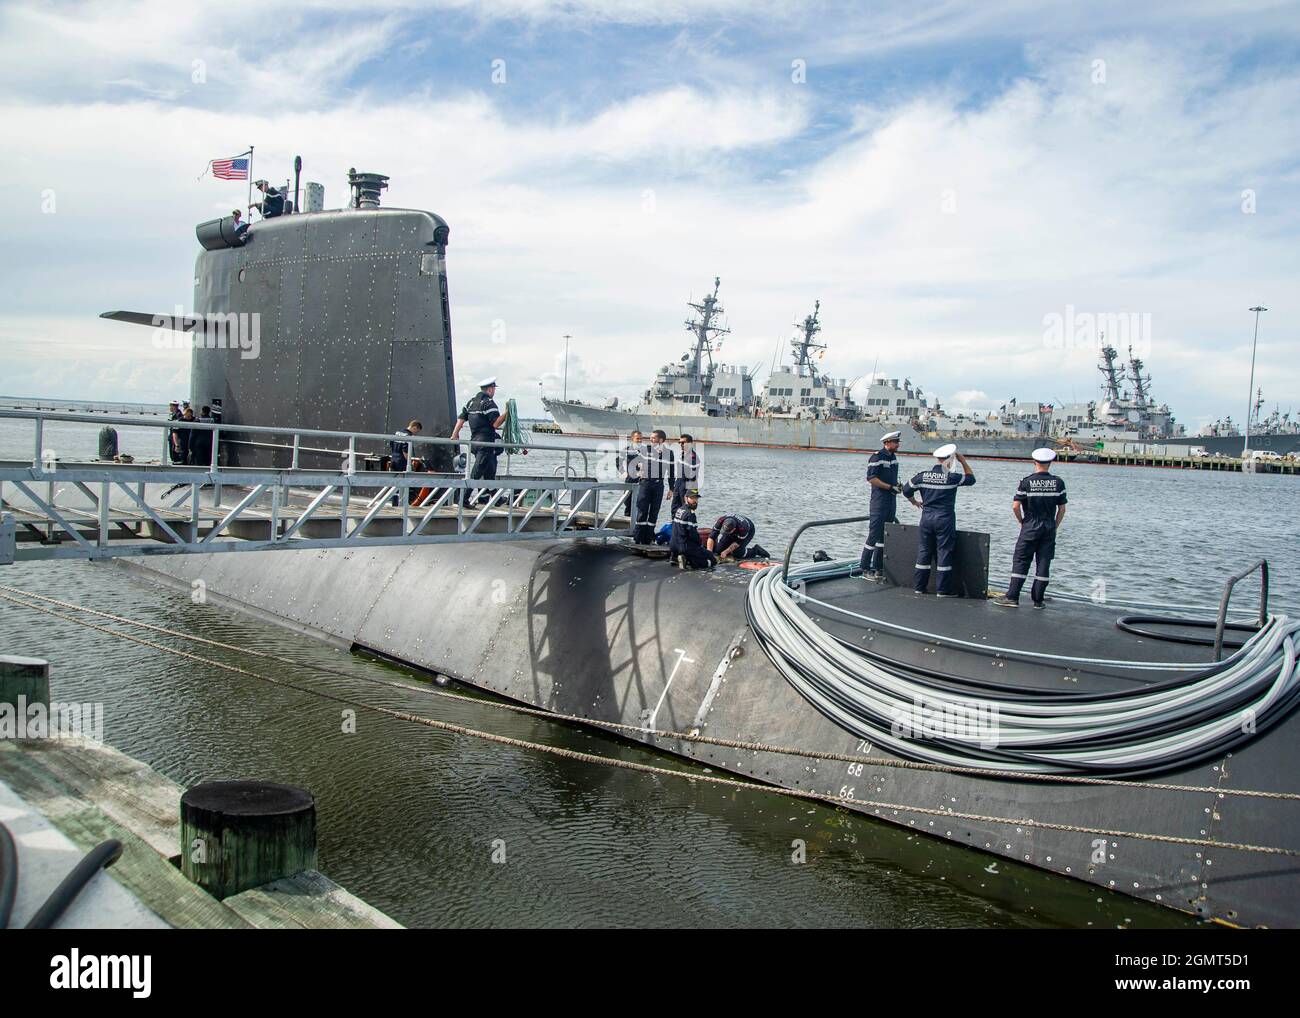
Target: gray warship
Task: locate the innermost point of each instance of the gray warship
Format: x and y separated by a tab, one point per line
1276	433
766	675
799	407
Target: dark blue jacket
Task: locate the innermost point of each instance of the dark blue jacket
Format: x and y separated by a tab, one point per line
938	488
480	413
1039	495
399	450
272	203
686	531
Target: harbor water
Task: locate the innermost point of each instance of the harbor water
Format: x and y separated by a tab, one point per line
442	829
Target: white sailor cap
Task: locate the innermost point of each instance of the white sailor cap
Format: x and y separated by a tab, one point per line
488	382
1044	455
944	451
893	436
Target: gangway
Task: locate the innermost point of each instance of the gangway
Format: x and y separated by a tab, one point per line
332	491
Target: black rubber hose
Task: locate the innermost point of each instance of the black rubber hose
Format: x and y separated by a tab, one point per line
100	857
8	875
1130	623
956	683
990	756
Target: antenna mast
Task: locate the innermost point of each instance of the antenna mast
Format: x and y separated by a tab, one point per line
806	342
704	330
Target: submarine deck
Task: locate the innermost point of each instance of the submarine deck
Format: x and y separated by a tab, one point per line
1023	647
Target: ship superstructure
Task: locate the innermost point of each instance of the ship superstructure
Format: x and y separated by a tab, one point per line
799	406
1122	414
696	386
801	390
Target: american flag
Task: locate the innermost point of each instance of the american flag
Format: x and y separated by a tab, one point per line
230	169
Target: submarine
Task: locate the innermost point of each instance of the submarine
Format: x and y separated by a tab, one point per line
1124	750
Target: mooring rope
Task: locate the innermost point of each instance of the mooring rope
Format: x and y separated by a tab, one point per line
668	734
632	765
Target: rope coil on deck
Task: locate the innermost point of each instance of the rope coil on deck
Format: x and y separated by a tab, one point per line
948	720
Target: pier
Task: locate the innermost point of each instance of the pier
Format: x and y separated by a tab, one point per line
64	794
1289	466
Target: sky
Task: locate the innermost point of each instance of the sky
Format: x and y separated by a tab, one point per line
951	181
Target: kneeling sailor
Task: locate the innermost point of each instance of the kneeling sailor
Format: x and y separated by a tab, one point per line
685	547
1039	507
936	542
882	477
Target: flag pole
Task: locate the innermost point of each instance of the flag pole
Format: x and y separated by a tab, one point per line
250	176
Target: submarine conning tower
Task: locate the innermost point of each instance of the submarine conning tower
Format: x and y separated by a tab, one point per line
344	319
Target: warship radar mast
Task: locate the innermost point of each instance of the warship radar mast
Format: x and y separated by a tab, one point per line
1109	372
708	310
1141	384
806	342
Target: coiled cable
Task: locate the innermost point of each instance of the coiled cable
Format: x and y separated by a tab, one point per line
1182	720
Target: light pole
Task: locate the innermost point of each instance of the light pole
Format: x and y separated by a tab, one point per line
1250	395
567	337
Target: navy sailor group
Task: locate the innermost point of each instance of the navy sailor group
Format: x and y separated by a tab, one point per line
1039	507
659	472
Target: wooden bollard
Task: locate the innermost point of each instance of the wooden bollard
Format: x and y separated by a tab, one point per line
236	835
28	677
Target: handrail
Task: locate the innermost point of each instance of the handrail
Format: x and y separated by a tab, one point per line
1262	566
789	551
39	417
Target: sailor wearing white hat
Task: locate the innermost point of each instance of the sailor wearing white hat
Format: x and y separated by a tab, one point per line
936	542
1039	507
483	416
882	478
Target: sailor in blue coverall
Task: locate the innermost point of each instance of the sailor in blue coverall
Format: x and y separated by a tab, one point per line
936	543
882	476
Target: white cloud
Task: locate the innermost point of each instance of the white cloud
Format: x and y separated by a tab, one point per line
937	230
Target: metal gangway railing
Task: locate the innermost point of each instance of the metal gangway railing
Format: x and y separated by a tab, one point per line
332	491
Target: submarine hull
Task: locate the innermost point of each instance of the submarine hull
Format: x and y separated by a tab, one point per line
589	631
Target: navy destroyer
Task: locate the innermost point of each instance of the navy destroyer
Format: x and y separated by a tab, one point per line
1276	433
1121	751
799	407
